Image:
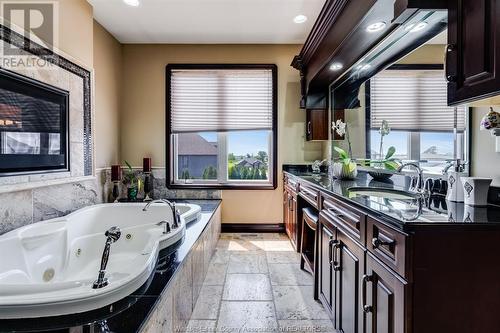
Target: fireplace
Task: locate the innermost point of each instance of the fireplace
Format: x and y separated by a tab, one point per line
33	126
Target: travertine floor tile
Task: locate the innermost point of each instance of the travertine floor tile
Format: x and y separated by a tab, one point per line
297	302
207	306
198	326
216	274
324	326
283	257
247	287
247	317
289	275
247	262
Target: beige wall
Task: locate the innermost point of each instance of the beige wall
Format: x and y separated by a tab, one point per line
76	29
143	114
107	96
485	162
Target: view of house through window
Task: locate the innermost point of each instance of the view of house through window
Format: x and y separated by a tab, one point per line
422	127
222	128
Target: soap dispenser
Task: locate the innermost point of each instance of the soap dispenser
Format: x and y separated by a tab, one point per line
455	191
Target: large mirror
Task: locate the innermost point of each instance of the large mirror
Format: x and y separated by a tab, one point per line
400	114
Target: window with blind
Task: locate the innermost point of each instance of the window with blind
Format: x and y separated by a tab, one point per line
221	128
423	127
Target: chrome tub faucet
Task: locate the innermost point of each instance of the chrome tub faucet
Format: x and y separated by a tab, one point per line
175	212
112	235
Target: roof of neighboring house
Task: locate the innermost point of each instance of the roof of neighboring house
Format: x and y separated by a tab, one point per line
249	160
194	144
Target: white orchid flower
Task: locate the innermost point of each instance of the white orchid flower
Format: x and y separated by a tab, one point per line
339	127
384	128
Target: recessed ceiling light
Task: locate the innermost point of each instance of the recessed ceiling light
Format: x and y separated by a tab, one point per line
300	19
414	27
377	26
133	3
336	66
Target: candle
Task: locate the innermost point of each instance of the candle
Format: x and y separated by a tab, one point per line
116	173
146	164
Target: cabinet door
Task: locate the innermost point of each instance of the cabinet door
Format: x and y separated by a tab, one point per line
316	125
286	200
348	269
384	302
293	222
326	240
473	53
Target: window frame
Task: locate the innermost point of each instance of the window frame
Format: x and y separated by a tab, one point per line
414	136
171	165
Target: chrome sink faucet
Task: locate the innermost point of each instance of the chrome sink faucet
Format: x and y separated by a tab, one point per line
112	235
175	212
419	185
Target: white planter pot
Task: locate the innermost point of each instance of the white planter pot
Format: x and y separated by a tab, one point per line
476	190
341	171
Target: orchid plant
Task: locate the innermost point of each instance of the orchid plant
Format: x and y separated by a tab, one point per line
342	130
388	161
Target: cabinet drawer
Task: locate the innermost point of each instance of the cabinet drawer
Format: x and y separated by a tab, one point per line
344	216
310	194
388	245
291	183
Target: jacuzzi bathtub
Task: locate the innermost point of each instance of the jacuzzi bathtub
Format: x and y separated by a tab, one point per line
48	268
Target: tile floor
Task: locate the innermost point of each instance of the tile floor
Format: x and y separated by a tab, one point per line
254	284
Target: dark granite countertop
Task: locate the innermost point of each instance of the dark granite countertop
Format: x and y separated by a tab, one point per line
128	314
403	214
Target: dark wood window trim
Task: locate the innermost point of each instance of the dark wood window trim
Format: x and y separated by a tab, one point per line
170	172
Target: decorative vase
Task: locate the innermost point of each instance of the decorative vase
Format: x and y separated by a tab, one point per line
132	193
476	190
379	175
342	171
455	191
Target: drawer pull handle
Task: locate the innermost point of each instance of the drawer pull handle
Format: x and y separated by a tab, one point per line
365	280
376	242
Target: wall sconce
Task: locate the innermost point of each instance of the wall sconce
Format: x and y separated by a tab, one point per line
491	122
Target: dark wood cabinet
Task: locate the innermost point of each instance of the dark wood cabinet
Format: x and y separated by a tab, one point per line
349	258
316	125
473	51
327	238
384	298
341	267
290	218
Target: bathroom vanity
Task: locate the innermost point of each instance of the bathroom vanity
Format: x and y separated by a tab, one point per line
388	265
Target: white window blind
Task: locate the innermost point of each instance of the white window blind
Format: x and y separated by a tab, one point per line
413	100
221	100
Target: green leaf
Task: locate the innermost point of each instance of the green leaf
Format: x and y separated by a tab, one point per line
342	153
391	165
128	165
390	152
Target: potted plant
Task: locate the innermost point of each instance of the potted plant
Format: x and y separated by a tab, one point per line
131	180
344	167
387	162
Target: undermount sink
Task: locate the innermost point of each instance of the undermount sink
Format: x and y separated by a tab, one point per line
386	193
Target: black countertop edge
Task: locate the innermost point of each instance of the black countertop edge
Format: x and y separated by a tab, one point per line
491	220
129	314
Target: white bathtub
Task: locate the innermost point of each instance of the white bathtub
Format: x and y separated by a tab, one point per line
47	268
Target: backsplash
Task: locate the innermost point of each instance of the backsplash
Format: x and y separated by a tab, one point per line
38	204
159	185
28	206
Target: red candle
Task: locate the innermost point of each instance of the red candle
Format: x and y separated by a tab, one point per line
116	173
146	164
